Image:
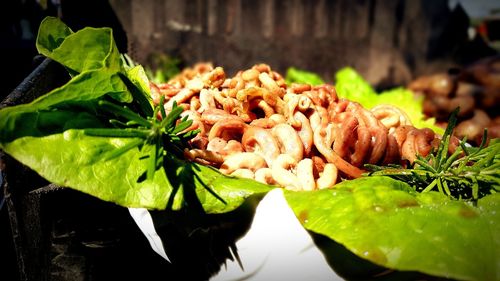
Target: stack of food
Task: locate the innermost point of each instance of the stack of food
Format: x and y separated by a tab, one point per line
300	137
475	89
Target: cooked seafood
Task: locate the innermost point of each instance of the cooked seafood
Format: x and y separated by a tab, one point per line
300	137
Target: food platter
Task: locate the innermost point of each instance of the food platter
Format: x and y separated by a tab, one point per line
112	134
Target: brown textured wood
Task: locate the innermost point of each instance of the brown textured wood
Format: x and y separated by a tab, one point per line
388	41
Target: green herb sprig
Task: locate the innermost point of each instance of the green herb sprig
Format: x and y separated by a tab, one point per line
468	174
165	135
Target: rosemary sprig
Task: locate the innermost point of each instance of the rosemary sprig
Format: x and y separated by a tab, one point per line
153	135
469	173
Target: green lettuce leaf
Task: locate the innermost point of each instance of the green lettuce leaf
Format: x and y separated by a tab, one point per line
216	193
138	76
51	35
73	159
83	162
138	82
382	220
350	85
295	75
52	113
88	49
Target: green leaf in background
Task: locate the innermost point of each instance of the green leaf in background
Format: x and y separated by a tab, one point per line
382	220
163	67
350	85
295	75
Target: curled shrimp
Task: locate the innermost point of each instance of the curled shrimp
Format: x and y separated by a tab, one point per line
242	160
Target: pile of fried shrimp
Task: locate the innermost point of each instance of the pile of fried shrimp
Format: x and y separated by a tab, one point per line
297	136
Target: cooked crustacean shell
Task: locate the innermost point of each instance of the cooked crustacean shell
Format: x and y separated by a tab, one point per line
300	137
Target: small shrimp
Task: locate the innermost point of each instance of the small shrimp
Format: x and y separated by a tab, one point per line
289	141
242	160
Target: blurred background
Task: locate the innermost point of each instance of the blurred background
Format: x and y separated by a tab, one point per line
390	43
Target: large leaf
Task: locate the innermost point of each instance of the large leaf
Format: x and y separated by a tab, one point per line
46	115
76	160
384	221
87	49
85	163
